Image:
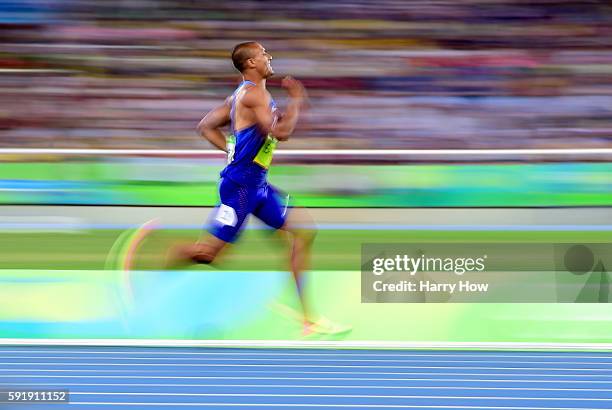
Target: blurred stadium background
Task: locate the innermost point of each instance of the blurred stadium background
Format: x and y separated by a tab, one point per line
80	75
384	74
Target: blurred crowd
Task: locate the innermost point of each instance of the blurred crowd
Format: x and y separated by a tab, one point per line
380	74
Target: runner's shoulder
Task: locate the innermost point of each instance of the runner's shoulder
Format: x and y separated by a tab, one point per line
254	96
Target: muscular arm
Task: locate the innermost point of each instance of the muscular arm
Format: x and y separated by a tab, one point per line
210	126
257	100
286	124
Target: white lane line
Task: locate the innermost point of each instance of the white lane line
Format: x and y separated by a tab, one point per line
304	386
335	396
230	359
207	365
335	354
151	374
313	152
310	344
27	376
378	406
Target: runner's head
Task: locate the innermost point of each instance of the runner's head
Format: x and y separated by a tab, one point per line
251	57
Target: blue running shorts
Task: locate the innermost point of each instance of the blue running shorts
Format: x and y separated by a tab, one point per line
239	201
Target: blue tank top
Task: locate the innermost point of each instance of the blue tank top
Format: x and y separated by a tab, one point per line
246	148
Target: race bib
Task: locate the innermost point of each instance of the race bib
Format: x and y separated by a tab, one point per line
226	215
231	147
264	156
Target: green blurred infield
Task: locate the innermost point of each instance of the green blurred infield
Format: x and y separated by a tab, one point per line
256	250
194	182
59	285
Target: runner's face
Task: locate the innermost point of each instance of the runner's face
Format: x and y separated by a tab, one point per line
263	62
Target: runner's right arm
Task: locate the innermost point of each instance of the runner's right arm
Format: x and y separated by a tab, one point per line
286	123
256	100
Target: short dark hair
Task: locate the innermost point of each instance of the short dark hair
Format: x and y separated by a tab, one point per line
241	53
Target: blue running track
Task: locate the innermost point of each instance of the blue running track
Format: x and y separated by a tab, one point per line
105	378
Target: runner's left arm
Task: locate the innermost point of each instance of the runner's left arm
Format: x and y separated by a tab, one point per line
210	126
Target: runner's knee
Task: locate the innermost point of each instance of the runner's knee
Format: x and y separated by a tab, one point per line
202	254
304	235
204	259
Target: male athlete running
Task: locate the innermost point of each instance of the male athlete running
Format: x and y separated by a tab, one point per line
256	127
